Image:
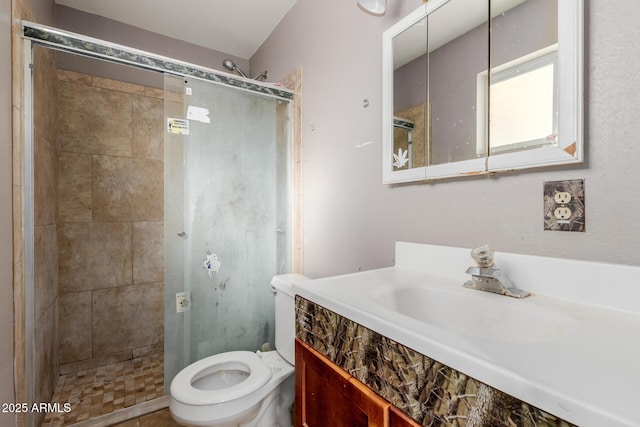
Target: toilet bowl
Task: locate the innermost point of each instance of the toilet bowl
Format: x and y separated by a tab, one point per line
230	389
242	388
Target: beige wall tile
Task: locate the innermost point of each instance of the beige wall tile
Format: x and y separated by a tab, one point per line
45	94
45	346
150	349
171	95
152	92
75	326
116	85
74	187
148	252
46	354
101	189
127	189
95	362
148	131
94	256
72	76
127	317
94	120
45	188
45	269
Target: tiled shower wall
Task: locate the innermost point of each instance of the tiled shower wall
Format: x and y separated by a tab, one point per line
45	90
110	213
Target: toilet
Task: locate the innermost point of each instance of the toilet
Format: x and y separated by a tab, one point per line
242	388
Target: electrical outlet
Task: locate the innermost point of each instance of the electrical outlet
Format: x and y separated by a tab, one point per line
564	205
562	197
183	302
562	214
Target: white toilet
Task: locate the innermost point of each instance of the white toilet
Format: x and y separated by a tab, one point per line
241	388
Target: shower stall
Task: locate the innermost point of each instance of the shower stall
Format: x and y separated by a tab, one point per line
155	216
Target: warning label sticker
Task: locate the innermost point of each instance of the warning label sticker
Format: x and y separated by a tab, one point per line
178	126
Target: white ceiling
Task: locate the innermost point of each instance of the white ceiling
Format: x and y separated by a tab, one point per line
237	27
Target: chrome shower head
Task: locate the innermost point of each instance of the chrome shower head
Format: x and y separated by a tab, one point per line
231	66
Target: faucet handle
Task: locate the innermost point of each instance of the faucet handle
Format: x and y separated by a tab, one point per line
483	256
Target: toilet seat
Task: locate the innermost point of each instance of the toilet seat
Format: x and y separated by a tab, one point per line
182	388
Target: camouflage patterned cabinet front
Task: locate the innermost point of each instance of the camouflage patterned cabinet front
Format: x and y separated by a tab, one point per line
427	391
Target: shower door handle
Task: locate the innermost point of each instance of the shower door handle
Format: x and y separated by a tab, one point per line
182	234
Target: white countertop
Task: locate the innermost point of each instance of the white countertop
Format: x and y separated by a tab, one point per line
587	372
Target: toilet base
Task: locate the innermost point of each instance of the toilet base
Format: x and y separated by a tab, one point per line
200	417
266	408
277	407
267	415
275	411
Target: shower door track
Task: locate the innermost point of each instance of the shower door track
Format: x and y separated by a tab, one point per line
78	44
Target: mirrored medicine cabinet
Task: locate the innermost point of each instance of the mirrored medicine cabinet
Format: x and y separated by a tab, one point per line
482	86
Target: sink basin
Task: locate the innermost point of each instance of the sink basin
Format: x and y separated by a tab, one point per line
477	314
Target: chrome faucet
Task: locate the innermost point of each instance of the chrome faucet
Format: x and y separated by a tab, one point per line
485	277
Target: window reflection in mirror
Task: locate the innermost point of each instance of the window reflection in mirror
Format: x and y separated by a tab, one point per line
531	122
523	92
458	52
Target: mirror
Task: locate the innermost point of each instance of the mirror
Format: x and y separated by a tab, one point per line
458	50
471	113
410	97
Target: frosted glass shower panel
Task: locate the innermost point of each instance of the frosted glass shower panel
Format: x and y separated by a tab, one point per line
235	205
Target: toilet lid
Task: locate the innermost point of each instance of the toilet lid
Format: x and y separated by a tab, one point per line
183	390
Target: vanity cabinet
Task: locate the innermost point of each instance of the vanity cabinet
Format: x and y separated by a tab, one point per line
326	395
424	391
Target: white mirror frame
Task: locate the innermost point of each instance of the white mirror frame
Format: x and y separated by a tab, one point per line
570	147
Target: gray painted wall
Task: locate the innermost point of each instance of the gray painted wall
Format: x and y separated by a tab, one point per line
352	220
6	244
44	11
117	32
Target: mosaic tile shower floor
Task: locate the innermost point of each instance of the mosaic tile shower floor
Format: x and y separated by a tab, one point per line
102	390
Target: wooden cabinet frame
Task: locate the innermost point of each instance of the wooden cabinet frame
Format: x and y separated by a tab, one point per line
327	395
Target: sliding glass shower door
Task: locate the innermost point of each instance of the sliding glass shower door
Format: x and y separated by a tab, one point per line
227	218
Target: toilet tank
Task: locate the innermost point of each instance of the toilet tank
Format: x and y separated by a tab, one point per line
285	325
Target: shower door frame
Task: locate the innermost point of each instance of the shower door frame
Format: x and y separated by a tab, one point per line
34	34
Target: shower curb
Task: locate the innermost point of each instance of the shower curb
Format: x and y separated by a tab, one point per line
125	414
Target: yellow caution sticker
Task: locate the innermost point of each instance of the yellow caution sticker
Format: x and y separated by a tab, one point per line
178	126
